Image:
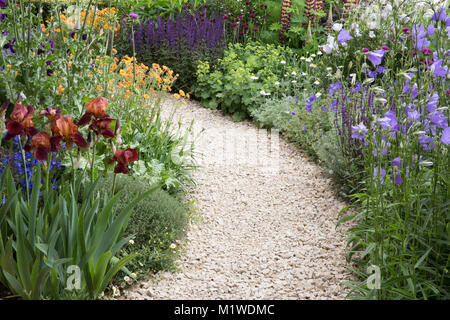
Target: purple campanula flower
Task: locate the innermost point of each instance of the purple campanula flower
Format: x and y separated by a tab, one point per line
433	102
376	56
439	119
438	70
344	36
430	30
414	116
134	15
397	162
398	179
445	139
359	132
440	16
420	37
382	174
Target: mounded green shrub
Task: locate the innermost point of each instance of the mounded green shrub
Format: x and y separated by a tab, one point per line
156	223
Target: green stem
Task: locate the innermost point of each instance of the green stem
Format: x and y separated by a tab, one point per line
93	161
22	152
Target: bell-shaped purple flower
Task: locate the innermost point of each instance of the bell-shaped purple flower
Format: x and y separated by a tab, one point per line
445	139
344	36
376	57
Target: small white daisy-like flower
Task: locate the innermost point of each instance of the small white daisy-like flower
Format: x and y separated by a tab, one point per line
304	74
254	78
313	55
173	245
116	291
319	53
318	94
131	241
302	58
262	92
277	83
294	73
312	65
317	82
133	275
283	62
308	60
329	69
126	278
293	81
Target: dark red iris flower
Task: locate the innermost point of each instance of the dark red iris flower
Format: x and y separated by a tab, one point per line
102	126
63	128
20	122
42	143
100	121
123	158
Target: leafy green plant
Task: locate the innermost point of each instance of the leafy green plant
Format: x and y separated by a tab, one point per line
246	75
157	222
41	238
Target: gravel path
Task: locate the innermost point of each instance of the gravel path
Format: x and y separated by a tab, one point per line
268	220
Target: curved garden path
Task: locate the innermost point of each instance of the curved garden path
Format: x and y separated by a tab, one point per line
267	228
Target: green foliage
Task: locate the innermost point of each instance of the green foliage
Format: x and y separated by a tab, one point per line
244	78
156	222
165	154
41	238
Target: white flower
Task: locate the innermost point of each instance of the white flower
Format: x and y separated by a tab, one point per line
329	69
319	53
254	78
304	74
313	55
337	27
131	241
318	94
293	81
302	58
133	275
371	34
294	73
116	291
283	62
312	65
277	83
317	82
128	280
173	246
309	59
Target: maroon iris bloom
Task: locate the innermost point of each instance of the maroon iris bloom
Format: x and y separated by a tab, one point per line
123	158
20	122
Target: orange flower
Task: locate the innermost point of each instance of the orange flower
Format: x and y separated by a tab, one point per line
176	96
146	96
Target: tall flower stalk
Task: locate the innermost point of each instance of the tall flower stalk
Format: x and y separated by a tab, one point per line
285	19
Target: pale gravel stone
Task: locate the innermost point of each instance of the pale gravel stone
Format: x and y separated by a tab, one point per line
263	235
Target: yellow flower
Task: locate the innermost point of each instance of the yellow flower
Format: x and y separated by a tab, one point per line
182	93
183	102
123	72
177	96
146	96
114	50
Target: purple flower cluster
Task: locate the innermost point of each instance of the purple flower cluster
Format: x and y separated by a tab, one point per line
181	32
